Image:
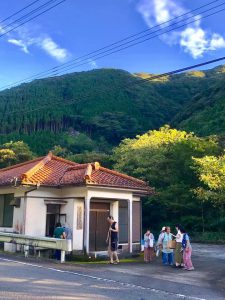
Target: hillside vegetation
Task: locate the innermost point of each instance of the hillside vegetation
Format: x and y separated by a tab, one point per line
95	110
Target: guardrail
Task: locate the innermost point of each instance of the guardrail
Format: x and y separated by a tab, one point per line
37	241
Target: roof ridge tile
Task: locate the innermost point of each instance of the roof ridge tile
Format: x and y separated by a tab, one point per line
77	167
25	176
122	175
64	160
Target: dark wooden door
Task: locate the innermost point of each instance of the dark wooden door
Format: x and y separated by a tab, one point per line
98	226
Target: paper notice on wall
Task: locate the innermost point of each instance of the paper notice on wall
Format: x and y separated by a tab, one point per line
79	218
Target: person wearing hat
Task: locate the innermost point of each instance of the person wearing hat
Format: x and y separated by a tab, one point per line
161	235
160	239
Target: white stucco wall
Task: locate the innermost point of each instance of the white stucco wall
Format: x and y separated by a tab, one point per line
30	217
136	198
71	211
74	192
37	226
46	192
78	232
109	193
19	217
114	210
36	210
35	216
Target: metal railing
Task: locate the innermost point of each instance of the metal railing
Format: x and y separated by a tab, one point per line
37	241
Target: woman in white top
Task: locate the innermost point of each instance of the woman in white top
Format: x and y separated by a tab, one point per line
178	250
149	246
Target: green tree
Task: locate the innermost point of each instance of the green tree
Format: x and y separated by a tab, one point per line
164	159
105	160
13	153
21	150
60	151
211	172
7	157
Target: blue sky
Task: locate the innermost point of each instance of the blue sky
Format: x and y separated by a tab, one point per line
77	27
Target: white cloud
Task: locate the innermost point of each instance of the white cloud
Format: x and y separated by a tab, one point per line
159	11
196	41
53	49
25	38
193	39
217	42
20	44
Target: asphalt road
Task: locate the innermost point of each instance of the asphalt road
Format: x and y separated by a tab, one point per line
35	279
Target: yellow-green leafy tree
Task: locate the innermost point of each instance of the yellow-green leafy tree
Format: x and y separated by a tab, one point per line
211	172
14	152
164	159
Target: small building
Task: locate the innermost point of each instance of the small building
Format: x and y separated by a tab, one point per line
34	195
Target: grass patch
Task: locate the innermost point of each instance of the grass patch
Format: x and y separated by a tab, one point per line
81	259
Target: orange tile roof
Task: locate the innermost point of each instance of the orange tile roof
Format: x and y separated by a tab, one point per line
7	175
57	172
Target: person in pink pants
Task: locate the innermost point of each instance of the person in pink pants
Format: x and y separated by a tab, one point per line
187	250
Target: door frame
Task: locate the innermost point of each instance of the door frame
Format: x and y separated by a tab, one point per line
107	209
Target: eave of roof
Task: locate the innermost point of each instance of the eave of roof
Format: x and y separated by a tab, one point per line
55	172
22	164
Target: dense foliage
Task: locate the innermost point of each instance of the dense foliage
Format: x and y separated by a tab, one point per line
106	106
164	159
83	116
205	113
14	152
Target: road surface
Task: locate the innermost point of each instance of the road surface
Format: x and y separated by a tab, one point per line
36	279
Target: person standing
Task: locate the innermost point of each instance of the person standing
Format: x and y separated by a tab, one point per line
160	241
187	251
167	253
112	240
178	250
68	236
59	233
68	232
161	235
148	246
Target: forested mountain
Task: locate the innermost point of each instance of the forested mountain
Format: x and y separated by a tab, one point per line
94	110
205	112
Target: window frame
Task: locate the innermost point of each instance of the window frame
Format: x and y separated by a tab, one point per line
7	211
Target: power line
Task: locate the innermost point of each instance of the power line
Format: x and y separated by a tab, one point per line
137	82
131	43
137	43
127	38
24	17
19	25
78	60
17	12
119	49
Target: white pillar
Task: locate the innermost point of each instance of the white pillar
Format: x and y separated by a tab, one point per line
130	214
86	224
63	254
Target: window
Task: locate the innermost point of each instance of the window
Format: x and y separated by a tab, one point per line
6	210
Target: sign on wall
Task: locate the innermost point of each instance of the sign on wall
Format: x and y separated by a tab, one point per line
79	217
